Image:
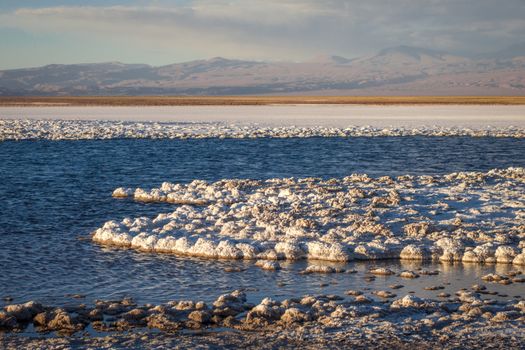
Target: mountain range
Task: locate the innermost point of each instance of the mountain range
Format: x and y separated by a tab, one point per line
401	70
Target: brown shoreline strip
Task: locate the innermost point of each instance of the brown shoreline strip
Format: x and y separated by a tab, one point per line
255	100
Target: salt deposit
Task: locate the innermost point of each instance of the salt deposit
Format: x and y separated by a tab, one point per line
473	217
307	316
27	129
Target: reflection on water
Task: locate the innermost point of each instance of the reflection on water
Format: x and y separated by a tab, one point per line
55	193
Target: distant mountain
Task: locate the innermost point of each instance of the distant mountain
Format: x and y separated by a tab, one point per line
401	70
415	53
330	59
511	52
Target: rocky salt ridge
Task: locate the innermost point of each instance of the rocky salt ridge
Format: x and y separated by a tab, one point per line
359	318
473	217
25	129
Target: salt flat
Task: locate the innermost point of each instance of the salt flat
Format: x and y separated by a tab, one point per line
461	221
477	116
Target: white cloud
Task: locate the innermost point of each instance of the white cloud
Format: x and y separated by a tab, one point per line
287	29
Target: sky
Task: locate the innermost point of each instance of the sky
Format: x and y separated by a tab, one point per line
35	33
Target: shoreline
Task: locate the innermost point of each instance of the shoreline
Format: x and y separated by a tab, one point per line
142	101
296	116
358	319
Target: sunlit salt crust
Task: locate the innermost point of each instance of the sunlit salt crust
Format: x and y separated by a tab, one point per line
26	129
472	217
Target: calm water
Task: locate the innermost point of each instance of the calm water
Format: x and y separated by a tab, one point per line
55	193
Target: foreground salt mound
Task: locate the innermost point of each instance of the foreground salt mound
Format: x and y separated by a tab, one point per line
401	316
473	217
20	129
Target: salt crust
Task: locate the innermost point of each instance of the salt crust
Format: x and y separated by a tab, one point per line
27	129
473	217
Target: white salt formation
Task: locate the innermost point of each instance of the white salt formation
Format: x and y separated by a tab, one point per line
472	217
26	129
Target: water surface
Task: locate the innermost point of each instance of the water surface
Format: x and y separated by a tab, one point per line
55	193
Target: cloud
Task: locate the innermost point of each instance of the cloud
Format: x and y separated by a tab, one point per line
286	29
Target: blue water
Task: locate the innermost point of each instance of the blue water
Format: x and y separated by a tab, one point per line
55	193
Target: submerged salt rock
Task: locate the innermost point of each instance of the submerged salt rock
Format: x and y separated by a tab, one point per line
434	288
382	271
384	294
268	265
320	269
408	274
354	292
493	277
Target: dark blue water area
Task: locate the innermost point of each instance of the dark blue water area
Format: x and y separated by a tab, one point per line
54	193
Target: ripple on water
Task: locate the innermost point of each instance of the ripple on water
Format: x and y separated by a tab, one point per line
56	192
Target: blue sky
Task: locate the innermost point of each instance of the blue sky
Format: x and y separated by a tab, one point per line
34	33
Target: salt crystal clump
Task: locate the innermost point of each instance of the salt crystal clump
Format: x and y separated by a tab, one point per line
295	315
485	251
505	254
413	252
408	301
335	219
471	256
519	259
327	251
321	269
290	250
122	192
417	229
452	249
267	309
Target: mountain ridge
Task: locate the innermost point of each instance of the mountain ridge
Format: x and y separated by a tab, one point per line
395	70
